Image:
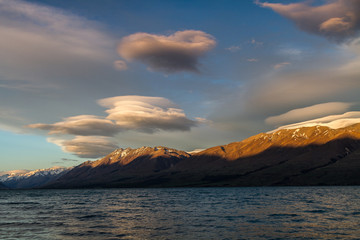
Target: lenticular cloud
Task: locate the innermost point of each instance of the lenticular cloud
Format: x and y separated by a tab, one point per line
338	20
138	113
86	146
332	121
93	134
146	114
174	53
83	125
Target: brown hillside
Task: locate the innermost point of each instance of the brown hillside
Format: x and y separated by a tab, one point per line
120	165
294	138
305	156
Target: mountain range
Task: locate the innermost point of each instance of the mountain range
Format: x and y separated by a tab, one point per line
30	179
122	168
312	155
299	156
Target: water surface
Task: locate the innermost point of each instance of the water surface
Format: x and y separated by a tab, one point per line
182	213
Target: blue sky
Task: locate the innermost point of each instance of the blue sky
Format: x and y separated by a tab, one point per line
80	78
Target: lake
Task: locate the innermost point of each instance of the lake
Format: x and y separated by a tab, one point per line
182	213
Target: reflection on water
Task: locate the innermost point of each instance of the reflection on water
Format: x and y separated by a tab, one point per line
182	213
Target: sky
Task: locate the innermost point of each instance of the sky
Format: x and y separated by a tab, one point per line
80	78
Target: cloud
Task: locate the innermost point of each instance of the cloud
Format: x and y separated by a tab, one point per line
314	111
309	86
328	78
65	160
197	150
252	60
233	48
139	113
40	44
332	121
69	160
85	125
120	65
292	52
337	19
147	114
280	65
86	146
170	54
256	43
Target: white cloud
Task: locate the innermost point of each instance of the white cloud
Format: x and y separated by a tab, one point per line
174	53
252	60
234	48
85	125
44	44
11	119
197	150
86	146
301	114
256	43
138	113
305	87
332	121
331	79
147	114
281	65
292	52
336	19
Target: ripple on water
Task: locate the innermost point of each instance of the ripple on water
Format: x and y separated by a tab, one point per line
186	213
283	215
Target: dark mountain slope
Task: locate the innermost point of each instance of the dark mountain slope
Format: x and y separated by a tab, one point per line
305	156
315	155
127	166
2	186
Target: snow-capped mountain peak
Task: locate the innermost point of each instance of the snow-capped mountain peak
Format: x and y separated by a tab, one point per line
35	178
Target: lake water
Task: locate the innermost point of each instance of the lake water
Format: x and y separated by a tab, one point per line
182	213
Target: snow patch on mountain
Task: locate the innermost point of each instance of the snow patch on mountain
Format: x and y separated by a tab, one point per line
14	172
22	178
21	174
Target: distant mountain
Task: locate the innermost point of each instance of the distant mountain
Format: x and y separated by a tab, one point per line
2	186
311	155
123	167
31	179
12	173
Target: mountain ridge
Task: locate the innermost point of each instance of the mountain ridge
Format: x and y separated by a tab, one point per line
325	155
31	179
121	164
284	138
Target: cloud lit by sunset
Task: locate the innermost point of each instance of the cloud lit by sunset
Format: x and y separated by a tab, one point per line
80	75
